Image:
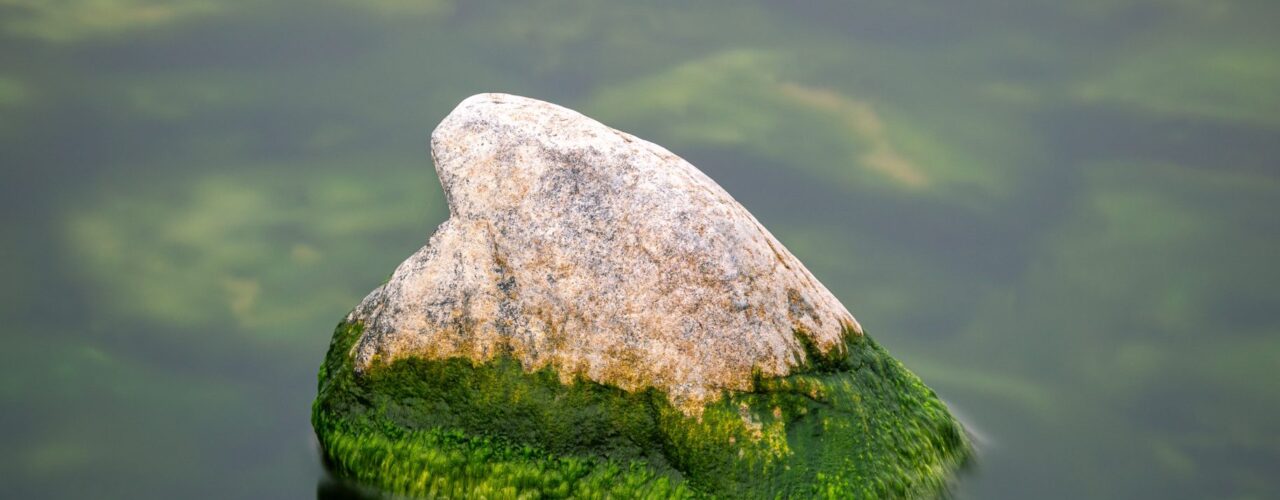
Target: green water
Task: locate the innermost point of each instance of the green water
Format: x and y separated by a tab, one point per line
1062	215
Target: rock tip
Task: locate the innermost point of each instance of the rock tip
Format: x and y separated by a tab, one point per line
484	103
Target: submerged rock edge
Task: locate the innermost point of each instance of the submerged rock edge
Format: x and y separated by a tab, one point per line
575	246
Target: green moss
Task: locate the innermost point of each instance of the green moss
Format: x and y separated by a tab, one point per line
854	425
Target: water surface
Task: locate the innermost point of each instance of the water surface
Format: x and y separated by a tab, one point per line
1060	214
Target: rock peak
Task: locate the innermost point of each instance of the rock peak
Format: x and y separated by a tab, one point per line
576	246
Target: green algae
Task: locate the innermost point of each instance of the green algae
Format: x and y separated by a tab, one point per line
239	249
852	424
855	138
77	20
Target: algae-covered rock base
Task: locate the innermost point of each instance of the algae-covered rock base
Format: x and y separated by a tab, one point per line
857	425
598	318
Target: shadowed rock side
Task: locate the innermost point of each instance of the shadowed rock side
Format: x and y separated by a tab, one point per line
599	318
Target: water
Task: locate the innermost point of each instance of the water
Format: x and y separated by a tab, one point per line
1060	214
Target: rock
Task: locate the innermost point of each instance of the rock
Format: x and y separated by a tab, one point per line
598	314
575	246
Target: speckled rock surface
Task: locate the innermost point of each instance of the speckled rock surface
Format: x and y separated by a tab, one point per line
575	246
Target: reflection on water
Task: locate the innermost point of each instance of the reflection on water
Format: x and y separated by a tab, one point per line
332	488
1059	215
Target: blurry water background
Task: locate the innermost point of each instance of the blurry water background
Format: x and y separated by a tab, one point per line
1062	215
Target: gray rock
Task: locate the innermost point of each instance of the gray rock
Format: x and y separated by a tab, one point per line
574	245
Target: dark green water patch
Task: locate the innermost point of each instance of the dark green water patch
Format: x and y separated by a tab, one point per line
856	424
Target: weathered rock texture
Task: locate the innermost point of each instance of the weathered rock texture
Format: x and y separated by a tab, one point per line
598	319
574	246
